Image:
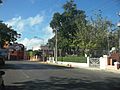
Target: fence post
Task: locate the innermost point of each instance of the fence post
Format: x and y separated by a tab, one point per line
103	62
88	61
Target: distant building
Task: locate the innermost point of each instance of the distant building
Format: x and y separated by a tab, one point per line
46	52
44	48
16	52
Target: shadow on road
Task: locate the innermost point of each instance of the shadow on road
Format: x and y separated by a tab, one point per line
60	83
30	66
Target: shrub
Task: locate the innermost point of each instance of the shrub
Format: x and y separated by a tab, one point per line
79	59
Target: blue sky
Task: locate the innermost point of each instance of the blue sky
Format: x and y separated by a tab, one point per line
31	18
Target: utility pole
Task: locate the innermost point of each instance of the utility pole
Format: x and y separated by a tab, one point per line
108	43
0	22
56	45
119	31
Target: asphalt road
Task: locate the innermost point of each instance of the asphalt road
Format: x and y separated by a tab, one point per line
25	75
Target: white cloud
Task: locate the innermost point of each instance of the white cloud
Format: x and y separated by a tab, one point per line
32	43
21	24
30	27
36	42
35	20
48	32
32	1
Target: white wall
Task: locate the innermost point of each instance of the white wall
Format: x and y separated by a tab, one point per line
103	62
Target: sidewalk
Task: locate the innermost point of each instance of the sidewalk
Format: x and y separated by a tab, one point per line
80	65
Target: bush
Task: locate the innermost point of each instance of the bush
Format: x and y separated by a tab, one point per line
79	59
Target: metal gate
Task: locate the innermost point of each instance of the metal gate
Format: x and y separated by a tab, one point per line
94	62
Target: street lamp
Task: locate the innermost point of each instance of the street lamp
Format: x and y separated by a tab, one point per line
41	45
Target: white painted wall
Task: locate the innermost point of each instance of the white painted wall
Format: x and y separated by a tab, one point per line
103	62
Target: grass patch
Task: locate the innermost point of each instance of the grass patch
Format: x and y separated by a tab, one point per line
79	59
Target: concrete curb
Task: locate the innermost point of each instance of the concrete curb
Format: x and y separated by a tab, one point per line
54	64
88	68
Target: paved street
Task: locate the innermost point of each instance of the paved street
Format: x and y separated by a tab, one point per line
25	75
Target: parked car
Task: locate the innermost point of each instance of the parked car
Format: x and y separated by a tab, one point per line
2	60
2	86
3	56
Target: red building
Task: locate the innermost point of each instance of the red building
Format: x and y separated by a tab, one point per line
16	52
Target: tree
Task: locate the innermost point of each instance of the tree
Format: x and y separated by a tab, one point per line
1	1
66	26
51	43
76	32
93	34
7	34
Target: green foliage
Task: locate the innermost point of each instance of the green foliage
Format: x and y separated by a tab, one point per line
7	34
93	34
1	1
75	32
65	25
32	53
79	59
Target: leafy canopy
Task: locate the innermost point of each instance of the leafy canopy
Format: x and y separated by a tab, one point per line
7	34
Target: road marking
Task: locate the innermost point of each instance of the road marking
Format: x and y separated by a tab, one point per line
27	76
